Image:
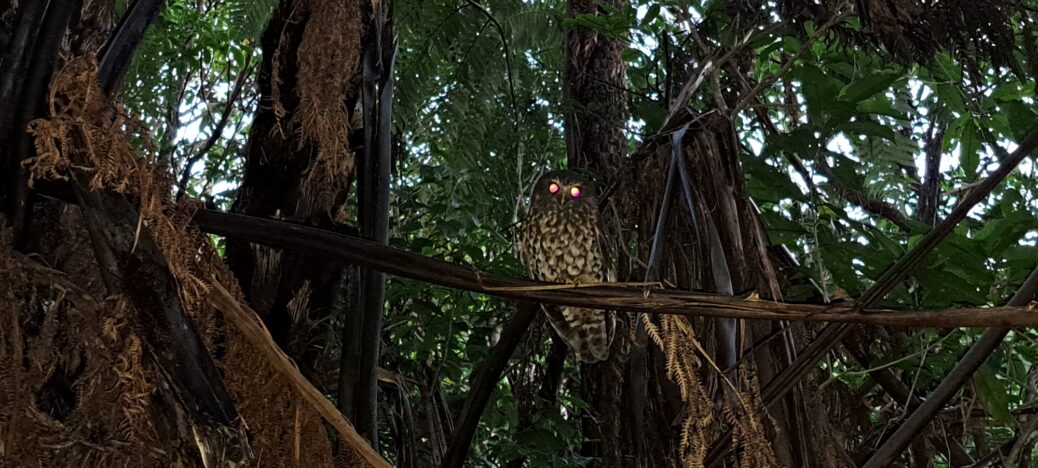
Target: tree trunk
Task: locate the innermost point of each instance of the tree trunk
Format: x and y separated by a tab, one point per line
593	91
723	239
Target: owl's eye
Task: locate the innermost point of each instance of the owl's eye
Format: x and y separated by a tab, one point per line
553	188
574	192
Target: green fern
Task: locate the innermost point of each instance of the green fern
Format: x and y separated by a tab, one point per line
248	18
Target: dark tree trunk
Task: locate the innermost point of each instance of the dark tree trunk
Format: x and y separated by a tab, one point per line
594	84
300	163
290	290
359	369
594	81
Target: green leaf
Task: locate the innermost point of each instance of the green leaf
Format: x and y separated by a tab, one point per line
652	13
1011	91
1000	233
820	91
946	69
801	142
879	105
1020	117
970	149
866	87
651	113
950	96
993	394
632	55
767	183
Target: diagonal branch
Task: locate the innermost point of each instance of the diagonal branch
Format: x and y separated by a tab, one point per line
484	381
804	48
875	206
118	52
252	328
977	354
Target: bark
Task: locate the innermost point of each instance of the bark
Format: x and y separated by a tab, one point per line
126	261
593	92
29	64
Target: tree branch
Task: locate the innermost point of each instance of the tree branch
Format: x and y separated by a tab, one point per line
508	55
833	333
484	381
977	354
185	176
367	254
118	51
875	206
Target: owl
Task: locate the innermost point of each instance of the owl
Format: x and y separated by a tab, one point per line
560	242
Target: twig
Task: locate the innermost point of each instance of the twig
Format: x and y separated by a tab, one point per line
833	333
977	354
806	46
185	176
875	206
508	55
548	287
484	381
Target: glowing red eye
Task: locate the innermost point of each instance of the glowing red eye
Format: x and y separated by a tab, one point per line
553	188
574	192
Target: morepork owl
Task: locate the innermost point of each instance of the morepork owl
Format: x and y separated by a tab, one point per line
561	243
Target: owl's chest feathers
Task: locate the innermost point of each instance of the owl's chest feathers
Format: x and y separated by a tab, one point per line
563	246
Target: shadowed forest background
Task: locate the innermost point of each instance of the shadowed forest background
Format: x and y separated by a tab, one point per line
284	232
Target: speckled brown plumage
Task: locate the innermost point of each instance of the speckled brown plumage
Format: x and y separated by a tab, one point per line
561	243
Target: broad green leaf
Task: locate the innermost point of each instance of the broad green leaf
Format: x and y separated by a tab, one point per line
970	149
652	13
820	91
866	87
1021	118
651	113
950	96
946	69
993	394
1011	91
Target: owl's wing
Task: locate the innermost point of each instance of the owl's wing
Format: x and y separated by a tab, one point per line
521	247
607	241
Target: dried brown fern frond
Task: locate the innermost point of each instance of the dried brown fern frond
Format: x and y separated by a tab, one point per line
329	55
57	347
747	421
676	337
88	136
